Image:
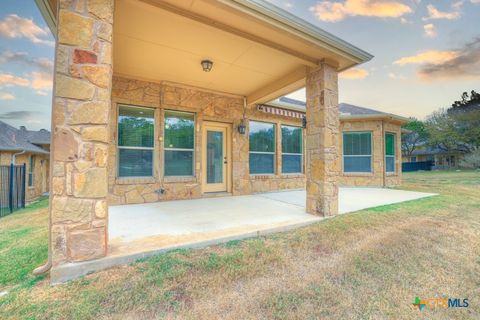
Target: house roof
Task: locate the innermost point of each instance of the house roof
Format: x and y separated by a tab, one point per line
37	137
347	111
12	139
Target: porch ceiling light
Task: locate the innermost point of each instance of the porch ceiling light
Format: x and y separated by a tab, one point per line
207	65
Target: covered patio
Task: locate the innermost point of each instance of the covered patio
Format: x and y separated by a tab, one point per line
140	230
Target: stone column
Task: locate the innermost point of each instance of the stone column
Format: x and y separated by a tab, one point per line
79	151
322	141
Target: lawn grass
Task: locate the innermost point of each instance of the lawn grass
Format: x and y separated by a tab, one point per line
366	265
23	244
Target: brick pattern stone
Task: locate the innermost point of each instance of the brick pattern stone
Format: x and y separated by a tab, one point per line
80	130
207	106
322	145
378	177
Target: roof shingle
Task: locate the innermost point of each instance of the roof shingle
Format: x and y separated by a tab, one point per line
12	139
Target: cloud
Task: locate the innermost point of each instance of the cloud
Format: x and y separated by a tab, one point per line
431	56
429	30
394	76
14	26
475	1
7	79
354	74
333	11
41	80
36	80
41	93
465	64
18	115
434	13
43	64
6	96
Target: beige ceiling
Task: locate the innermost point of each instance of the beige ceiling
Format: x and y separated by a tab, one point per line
166	40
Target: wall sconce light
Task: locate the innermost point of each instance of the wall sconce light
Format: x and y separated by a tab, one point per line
304	122
242	127
207	65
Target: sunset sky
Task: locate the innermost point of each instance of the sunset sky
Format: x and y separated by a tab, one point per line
426	54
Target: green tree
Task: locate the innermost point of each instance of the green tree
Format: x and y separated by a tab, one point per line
456	128
414	136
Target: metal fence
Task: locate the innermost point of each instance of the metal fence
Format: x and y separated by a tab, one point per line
417	166
12	188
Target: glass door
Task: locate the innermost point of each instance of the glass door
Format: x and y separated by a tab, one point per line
215	158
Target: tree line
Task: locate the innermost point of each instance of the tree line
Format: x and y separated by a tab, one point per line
453	129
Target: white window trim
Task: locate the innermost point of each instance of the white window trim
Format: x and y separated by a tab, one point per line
293	154
180	149
135	148
394	156
31	169
264	152
359	155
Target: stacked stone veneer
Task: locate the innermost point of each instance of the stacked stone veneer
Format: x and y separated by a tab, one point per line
322	143
378	175
207	106
79	184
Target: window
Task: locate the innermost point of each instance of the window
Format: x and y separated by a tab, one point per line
292	157
390	152
31	168
179	140
413	159
135	141
262	147
357	152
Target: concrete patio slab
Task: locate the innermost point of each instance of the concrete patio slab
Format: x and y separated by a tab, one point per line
142	230
352	199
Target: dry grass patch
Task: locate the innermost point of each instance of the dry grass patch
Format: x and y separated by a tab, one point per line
366	265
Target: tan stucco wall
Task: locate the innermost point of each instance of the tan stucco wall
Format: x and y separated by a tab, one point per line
40	173
207	106
377	176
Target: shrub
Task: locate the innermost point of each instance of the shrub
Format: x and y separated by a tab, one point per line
471	160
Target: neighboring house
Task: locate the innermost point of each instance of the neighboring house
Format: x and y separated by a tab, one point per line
441	159
22	146
165	100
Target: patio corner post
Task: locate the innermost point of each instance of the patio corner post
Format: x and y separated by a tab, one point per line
322	141
80	116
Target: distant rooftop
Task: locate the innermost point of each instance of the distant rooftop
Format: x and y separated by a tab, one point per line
12	139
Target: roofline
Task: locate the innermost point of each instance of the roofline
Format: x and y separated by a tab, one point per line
304	29
23	149
48	16
274	15
383	115
388	116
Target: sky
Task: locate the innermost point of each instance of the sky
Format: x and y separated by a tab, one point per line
427	52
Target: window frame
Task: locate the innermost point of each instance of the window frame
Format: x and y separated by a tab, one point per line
135	148
370	155
394	156
180	149
31	169
302	169
264	152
